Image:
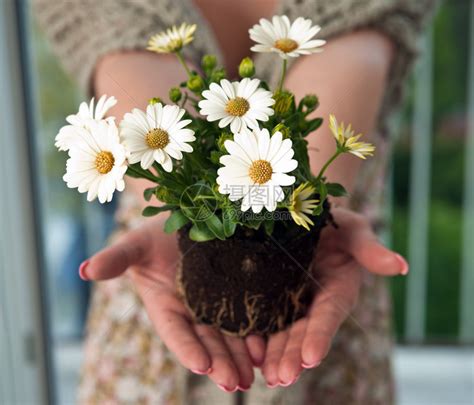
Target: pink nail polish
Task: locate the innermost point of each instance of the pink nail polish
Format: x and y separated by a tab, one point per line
224	388
272	385
82	270
315	364
243	389
403	264
200	372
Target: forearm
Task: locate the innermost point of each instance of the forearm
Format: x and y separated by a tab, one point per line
349	78
133	78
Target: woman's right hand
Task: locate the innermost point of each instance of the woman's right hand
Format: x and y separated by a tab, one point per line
150	257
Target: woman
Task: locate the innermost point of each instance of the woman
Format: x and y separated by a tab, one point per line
136	352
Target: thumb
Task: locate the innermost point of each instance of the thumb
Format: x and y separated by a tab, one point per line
112	261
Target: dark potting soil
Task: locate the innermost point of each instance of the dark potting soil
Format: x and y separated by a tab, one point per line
251	283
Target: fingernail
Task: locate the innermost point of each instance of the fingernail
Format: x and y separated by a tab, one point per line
243	389
224	388
289	383
272	385
403	264
315	364
200	372
82	270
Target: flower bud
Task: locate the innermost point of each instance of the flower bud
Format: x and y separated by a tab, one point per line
155	100
218	75
310	101
246	68
225	136
195	84
175	94
285	131
208	63
284	102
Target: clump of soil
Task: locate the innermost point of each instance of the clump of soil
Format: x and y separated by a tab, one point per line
251	283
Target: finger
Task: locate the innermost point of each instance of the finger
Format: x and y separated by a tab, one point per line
290	366
114	260
330	308
224	371
175	329
242	360
375	257
275	347
362	243
256	346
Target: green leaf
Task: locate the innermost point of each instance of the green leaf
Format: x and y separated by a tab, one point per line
215	156
300	146
229	224
150	211
137	172
318	210
336	190
216	226
132	173
312	125
175	221
200	233
254	223
269	224
148	193
323	191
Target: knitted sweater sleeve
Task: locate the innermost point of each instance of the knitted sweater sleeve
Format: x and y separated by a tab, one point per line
403	21
81	31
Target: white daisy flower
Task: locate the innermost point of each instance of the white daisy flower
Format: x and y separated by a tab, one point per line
289	40
238	104
87	112
156	136
97	161
256	169
173	39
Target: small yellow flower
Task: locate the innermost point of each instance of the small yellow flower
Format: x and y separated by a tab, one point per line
173	39
300	205
347	141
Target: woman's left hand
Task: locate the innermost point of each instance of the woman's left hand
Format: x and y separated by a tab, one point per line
341	254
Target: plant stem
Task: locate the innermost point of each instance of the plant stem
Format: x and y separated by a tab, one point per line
143	173
283	74
183	62
332	159
184	100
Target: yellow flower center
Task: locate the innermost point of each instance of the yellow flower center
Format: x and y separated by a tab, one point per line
260	171
237	106
175	44
296	203
104	162
157	138
286	45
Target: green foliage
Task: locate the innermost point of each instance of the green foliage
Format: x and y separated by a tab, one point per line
151	211
190	190
175	221
336	190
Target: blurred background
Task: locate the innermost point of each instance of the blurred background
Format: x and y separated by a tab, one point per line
431	213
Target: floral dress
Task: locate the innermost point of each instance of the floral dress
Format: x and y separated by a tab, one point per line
125	362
